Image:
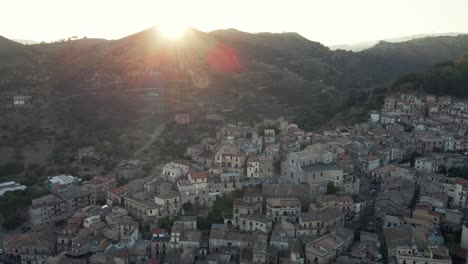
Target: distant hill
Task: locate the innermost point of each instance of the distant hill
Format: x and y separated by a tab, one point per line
359	46
26	41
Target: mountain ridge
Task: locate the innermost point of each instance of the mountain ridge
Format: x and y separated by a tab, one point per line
91	90
362	45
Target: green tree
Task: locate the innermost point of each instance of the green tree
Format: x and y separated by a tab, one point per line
187	207
121	181
331	189
14	205
166	223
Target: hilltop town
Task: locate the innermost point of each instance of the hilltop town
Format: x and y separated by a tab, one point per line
390	190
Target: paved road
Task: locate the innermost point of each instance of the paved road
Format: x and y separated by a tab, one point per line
153	137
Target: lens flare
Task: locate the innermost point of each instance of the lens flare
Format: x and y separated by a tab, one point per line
172	30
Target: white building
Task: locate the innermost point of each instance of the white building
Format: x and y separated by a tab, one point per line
426	164
92	219
21	100
62	180
283	209
296	162
429	255
457	192
269	136
10	186
464	238
374	117
171	173
253	167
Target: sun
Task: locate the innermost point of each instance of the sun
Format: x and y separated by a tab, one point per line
172	30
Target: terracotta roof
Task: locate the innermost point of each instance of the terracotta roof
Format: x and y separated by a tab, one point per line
295	129
198	175
152	261
421	207
371	158
75	220
251	159
122	253
461	181
100	180
119	190
346	157
98	225
159	231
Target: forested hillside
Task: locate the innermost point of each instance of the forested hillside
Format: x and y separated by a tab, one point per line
449	78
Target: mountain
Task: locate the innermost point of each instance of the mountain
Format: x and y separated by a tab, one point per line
90	91
359	46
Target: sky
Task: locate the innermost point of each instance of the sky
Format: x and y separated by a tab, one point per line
330	22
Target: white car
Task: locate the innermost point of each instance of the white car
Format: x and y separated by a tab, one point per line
1	251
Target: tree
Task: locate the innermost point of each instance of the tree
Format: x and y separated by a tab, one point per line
413	157
277	166
458	172
214	217
188	206
86	177
14	204
331	189
121	181
166	223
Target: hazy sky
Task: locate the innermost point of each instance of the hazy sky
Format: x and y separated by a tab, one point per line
327	21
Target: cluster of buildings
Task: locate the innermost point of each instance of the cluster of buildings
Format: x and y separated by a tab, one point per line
21	99
441	121
349	195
